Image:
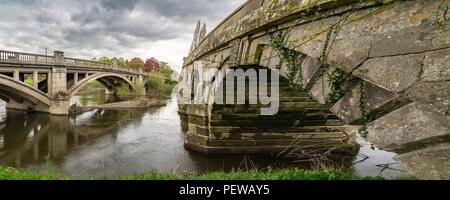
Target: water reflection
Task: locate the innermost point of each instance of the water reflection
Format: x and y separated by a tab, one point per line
115	143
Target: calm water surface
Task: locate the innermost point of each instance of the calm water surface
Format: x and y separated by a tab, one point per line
117	143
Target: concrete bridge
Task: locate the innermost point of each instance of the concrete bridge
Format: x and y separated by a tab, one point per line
380	68
55	79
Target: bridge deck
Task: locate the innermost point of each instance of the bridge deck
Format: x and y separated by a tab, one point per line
11	57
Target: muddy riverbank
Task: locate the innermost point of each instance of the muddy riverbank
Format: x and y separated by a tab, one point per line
123	105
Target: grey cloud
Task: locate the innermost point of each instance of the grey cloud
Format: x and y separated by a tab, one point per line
108	27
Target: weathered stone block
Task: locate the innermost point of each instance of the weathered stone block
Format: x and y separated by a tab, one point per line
347	54
434	94
309	67
410	40
395	74
437	66
197	110
432	163
348	108
321	89
307	35
378	101
409	125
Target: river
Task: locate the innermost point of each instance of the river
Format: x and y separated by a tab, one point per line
111	143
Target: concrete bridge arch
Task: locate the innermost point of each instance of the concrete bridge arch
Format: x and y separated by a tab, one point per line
55	79
107	79
18	94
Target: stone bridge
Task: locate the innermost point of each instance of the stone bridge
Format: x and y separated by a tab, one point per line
380	68
55	79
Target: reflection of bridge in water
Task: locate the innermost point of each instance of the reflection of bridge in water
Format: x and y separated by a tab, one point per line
30	139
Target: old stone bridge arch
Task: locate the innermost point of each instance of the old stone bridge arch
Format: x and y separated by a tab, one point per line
382	67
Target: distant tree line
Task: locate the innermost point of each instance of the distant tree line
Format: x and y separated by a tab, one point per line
151	65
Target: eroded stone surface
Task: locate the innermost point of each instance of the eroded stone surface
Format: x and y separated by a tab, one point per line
347	54
395	74
411	40
437	66
434	94
429	163
348	108
321	89
309	68
410	124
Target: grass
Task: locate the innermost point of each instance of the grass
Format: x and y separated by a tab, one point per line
285	174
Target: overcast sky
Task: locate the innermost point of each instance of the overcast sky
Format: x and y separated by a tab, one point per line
95	28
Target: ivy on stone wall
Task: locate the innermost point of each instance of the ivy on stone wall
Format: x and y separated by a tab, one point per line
337	79
292	58
362	108
441	15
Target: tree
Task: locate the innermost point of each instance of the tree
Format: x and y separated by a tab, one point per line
152	65
122	62
165	69
105	60
136	63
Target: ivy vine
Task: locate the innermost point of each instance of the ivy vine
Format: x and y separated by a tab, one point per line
292	58
441	15
337	79
362	108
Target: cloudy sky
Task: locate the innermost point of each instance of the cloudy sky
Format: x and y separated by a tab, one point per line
97	28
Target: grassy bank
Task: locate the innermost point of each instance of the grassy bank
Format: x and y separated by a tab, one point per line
286	174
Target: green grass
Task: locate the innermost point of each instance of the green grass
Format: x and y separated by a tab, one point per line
15	174
285	174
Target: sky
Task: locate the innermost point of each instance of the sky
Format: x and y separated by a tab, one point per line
113	28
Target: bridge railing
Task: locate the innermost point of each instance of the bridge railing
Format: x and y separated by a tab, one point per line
25	57
74	62
28	58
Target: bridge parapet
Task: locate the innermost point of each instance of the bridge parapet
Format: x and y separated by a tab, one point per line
45	60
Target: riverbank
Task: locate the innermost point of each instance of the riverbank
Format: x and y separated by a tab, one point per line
124	105
285	174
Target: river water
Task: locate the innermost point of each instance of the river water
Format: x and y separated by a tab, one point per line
111	143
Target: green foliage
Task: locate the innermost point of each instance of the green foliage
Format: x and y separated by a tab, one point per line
136	63
125	93
14	174
152	175
292	58
119	61
159	84
105	60
440	18
286	174
29	82
270	174
94	85
165	69
337	79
